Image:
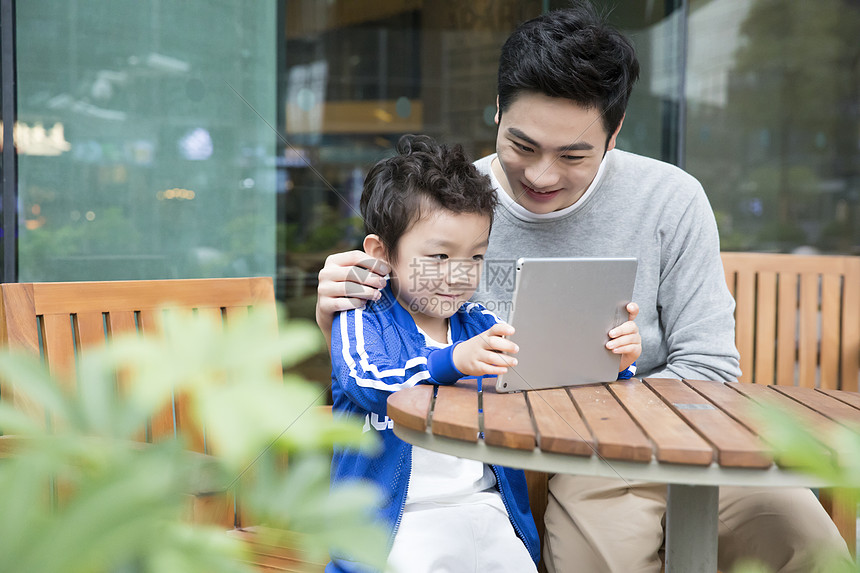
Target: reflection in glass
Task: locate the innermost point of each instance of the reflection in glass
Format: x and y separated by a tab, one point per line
653	113
356	76
773	121
146	130
4	220
144	141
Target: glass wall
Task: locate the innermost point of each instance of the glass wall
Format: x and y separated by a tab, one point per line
767	120
357	75
656	29
7	153
145	139
162	139
773	121
4	230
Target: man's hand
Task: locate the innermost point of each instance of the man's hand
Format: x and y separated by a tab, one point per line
487	353
625	338
348	280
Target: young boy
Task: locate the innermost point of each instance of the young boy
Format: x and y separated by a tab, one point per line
428	213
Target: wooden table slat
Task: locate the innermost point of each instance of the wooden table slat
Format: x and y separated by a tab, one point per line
737	405
822	426
851	398
412	409
560	427
767	395
455	412
507	421
824	405
618	437
674	441
735	445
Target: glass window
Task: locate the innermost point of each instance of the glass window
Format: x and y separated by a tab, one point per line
4	231
145	139
358	74
773	121
653	112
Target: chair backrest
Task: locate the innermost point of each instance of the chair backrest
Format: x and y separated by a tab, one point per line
797	318
61	320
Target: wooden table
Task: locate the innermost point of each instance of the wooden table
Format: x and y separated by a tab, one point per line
692	435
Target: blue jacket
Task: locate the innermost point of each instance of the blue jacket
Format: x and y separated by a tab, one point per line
376	351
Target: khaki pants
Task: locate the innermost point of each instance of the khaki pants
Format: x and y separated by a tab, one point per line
597	525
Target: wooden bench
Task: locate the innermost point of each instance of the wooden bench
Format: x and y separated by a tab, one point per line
797	323
797	318
62	320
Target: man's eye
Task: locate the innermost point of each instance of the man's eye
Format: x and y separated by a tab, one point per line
522	147
572	157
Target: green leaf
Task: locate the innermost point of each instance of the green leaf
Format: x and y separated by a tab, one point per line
121	503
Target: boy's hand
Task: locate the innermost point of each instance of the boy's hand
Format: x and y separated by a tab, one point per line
487	353
625	338
348	280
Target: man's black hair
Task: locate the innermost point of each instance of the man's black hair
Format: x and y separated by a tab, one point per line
573	54
424	175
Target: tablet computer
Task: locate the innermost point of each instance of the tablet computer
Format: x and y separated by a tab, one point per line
563	310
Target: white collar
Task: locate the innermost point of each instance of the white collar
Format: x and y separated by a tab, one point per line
431	343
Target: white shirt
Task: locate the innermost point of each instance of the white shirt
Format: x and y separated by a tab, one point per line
439	477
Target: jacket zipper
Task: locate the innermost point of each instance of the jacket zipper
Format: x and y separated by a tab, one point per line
513	521
408	465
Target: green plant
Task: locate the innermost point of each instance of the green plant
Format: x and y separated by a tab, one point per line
797	447
837	463
77	493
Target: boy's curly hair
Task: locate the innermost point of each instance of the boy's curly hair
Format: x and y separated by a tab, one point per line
424	175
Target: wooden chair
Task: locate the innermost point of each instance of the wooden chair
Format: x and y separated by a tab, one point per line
60	321
797	323
797	318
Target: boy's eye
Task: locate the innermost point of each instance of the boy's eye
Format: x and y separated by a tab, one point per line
478	258
439	257
572	157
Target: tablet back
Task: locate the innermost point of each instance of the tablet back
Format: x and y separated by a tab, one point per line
563	310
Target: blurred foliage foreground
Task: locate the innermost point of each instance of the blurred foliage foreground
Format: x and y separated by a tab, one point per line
78	493
835	461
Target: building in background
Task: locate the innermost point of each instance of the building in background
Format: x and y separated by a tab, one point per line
163	139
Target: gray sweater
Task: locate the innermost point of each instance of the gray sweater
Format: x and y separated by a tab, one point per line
659	214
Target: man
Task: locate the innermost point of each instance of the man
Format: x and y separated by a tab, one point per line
564	82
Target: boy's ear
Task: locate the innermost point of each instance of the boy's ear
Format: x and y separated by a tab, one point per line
373	246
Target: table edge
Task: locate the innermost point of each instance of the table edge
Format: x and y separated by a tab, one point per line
653	471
